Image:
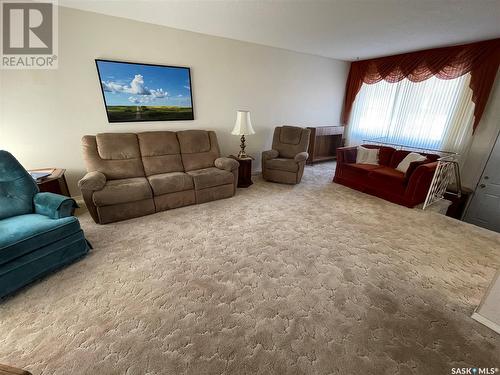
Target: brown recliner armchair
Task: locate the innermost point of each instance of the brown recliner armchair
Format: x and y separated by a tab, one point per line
285	162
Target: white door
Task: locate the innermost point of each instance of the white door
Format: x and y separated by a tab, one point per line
484	208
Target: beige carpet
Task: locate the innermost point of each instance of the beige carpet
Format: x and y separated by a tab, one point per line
311	279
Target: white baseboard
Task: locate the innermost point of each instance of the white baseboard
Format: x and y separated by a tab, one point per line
484	321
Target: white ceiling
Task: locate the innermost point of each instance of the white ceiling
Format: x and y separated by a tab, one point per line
342	29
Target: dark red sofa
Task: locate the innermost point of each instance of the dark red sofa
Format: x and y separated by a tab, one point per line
384	180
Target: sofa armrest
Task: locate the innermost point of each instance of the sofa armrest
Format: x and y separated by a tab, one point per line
92	181
227	164
419	182
301	156
270	154
347	154
53	205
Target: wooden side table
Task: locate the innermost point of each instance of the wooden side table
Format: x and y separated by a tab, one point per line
244	171
55	183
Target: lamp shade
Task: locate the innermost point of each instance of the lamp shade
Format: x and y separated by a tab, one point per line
243	125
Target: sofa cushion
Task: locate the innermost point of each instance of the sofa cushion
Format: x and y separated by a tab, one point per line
123	191
346	155
103	154
290	135
411	157
367	155
384	154
361	168
431	157
194	141
412	167
199	149
209	177
388	173
117	146
282	164
170	182
158	143
386	179
397	157
26	233
160	152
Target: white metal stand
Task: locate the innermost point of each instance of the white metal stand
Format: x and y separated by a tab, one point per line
447	170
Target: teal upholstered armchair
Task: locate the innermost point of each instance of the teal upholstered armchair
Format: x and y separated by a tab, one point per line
38	233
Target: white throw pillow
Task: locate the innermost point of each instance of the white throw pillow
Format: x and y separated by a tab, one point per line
360	155
410	158
367	155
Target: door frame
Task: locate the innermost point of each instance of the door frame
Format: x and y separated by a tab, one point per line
490	153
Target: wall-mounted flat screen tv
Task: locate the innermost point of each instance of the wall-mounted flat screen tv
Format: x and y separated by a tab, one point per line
145	92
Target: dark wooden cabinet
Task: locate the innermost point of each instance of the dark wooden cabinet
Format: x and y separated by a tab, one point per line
324	142
55	183
244	171
458	204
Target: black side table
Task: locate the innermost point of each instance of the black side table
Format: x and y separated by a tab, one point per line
244	171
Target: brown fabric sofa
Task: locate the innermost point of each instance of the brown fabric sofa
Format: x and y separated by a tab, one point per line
285	162
131	175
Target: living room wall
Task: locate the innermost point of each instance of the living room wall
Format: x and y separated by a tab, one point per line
45	113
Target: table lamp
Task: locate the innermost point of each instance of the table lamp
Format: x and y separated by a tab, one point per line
243	126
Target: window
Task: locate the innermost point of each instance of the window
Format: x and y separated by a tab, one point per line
432	114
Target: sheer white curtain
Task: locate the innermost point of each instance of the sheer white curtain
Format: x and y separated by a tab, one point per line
433	114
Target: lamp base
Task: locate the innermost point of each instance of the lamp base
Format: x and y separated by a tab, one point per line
242	154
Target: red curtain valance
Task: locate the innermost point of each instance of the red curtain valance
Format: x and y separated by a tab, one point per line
481	59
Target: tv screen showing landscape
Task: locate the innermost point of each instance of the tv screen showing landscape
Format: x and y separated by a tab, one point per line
145	92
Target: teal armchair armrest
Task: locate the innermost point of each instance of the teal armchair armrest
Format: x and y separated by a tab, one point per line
53	205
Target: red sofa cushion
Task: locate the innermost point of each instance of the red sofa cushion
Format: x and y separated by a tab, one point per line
349	155
389	173
385	155
411	168
361	168
431	157
387	179
397	157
